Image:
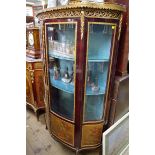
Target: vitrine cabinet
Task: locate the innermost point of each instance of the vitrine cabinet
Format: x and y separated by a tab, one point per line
80	43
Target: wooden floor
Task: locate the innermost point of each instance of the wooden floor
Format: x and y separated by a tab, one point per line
39	141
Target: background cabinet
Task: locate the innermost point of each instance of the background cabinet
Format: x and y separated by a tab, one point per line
80	44
122	61
34	84
120	99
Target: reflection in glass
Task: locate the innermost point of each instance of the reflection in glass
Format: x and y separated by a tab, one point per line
61	40
99	46
62	103
94	109
99	42
61	51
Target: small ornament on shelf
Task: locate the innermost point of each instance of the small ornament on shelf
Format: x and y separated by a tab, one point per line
95	87
66	77
56	73
61	49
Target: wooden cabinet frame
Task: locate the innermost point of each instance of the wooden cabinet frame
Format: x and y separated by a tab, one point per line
85	135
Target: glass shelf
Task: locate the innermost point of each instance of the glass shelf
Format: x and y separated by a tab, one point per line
99	92
98	60
64	84
59	84
58	55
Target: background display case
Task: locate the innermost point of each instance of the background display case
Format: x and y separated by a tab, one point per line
35	85
80	44
120	99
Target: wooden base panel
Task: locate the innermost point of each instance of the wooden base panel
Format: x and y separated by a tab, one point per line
62	129
91	135
62	142
74	149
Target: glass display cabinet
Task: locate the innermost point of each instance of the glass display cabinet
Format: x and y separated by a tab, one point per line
80	42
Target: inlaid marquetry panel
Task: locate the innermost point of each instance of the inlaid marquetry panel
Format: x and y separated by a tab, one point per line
36	39
91	134
39	85
29	93
62	130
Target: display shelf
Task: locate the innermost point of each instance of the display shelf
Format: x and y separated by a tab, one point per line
55	54
98	60
67	87
97	56
99	69
90	92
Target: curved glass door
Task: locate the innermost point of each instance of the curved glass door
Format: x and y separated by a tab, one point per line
98	57
61	53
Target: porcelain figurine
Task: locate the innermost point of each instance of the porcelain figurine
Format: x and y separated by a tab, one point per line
56	73
66	77
95	87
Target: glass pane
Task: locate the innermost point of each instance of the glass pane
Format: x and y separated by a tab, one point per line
99	46
62	103
61	51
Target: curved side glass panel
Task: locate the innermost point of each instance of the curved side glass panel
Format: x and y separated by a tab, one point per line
98	56
61	53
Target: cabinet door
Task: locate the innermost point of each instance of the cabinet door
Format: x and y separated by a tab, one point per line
99	47
39	87
61	52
